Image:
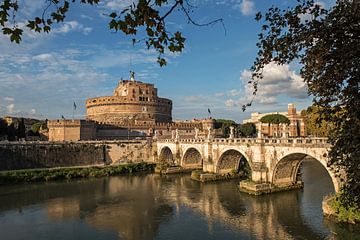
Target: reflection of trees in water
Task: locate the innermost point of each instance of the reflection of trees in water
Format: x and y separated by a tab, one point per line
276	216
222	202
299	210
231	200
343	231
132	206
22	195
135	206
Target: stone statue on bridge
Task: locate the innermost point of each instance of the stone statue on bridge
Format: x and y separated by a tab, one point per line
196	133
209	133
155	134
232	135
177	134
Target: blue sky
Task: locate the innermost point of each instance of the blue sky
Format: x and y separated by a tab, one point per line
82	58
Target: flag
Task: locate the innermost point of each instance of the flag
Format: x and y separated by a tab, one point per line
209	111
74	106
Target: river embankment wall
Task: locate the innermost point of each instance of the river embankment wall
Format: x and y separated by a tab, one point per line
26	155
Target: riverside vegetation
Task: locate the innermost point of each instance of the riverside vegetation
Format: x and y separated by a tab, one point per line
44	175
338	212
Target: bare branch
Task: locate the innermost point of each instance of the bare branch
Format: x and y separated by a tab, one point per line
171	9
202	24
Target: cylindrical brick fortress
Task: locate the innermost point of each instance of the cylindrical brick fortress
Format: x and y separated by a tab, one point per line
133	101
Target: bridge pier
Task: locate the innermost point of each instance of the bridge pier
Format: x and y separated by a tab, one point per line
259	188
259	172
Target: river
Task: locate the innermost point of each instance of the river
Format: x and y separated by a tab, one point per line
170	207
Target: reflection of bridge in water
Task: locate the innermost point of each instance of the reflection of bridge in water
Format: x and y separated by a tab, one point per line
273	161
136	207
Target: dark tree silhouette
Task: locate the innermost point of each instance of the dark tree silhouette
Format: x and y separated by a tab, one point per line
326	42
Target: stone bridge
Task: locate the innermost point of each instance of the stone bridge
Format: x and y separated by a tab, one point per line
274	161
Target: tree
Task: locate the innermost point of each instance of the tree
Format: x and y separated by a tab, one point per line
147	15
326	43
315	123
275	119
36	127
224	124
11	132
3	127
21	130
246	129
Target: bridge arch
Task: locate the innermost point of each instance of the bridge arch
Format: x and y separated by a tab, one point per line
287	168
166	156
233	160
192	158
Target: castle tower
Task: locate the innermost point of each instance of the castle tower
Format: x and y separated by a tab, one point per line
133	102
291	109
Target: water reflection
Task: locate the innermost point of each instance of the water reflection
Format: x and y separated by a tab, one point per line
172	207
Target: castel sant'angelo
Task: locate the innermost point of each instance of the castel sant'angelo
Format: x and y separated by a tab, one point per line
132	100
134	111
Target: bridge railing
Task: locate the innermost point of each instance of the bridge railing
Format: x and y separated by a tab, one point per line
281	141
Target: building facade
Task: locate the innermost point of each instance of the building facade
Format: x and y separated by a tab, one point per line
296	128
71	130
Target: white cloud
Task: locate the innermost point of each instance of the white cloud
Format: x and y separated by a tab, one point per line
72	26
219	94
119	4
193	99
30	7
87	30
8	99
111	58
10	108
234	93
278	81
84	16
49	81
246	7
43	57
230	103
